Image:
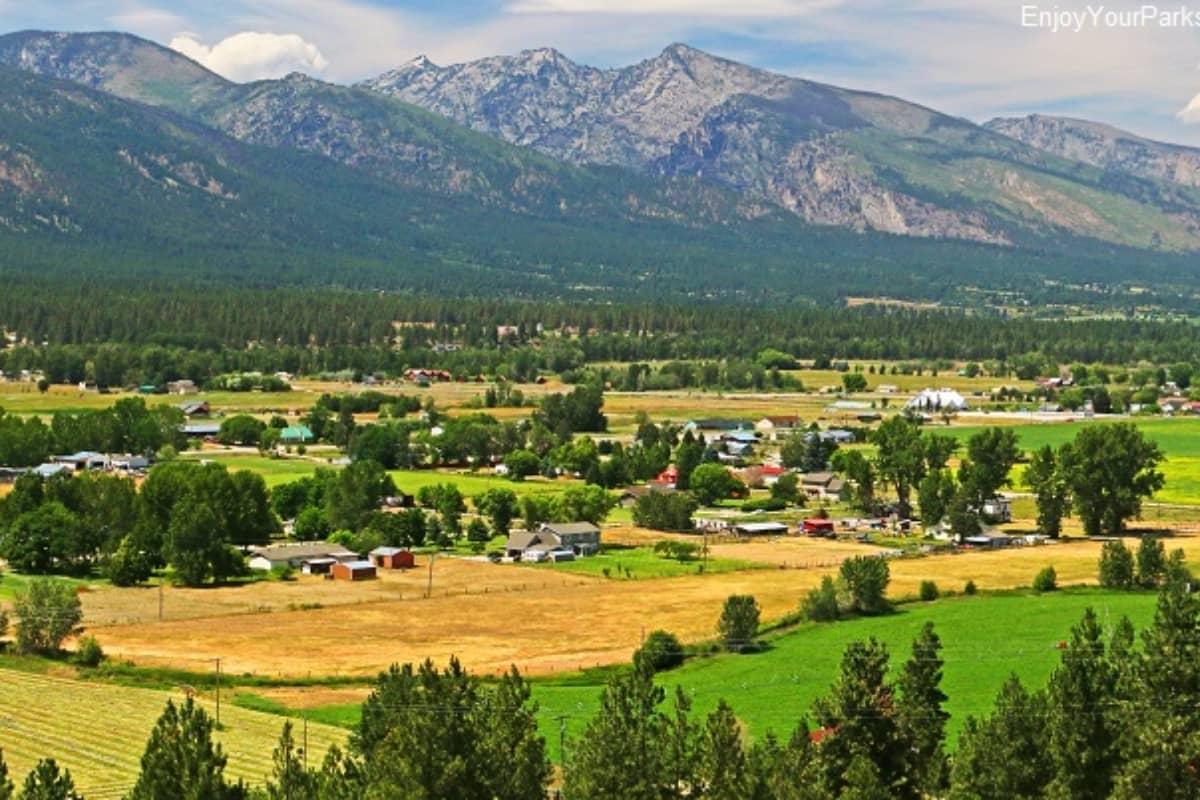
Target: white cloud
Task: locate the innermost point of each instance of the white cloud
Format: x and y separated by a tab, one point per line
1191	112
692	8
251	56
146	21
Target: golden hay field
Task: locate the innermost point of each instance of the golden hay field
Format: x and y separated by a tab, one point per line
98	731
542	621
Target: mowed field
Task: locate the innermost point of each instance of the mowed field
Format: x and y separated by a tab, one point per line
98	731
494	615
985	639
1178	438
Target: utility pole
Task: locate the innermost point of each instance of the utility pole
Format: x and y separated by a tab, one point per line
160	597
217	661
429	585
562	738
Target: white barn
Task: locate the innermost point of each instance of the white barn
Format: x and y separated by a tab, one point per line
935	400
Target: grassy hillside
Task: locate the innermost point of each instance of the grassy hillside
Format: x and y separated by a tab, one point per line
985	639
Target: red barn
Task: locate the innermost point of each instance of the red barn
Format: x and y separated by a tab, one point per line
392	558
818	527
353	571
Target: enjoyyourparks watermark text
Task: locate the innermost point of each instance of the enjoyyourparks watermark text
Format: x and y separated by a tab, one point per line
1062	19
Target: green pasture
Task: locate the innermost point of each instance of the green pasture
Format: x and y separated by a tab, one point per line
471	484
274	470
639	563
11	583
1178	438
26	399
986	638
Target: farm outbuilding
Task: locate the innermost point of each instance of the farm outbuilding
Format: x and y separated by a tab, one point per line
294	555
392	558
818	527
760	529
353	571
317	566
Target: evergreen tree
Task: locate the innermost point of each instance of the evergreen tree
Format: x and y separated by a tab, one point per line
921	717
290	779
794	771
1081	722
864	782
47	782
1163	740
6	784
620	756
513	754
182	761
438	735
680	746
859	718
1003	757
722	769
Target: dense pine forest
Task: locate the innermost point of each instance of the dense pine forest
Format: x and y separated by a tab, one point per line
156	333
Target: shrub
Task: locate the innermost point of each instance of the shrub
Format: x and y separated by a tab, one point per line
88	652
929	591
739	622
47	612
866	580
662	650
765	504
128	565
970	588
821	604
680	551
1116	566
283	572
1046	580
1151	561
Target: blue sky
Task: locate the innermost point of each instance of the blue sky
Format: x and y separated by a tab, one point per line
972	58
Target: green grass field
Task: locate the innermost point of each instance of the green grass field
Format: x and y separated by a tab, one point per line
471	484
985	639
1179	439
274	470
11	583
26	399
638	563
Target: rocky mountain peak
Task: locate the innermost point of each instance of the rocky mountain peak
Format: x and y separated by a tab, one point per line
1103	146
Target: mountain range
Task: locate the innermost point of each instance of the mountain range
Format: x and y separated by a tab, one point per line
540	172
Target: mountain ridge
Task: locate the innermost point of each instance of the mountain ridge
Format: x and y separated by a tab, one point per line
831	155
745	184
1105	146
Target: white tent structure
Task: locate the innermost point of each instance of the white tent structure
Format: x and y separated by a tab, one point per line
935	400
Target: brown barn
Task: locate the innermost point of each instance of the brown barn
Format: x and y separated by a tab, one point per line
392	558
353	571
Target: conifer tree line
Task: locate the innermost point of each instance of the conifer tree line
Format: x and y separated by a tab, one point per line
1117	719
